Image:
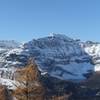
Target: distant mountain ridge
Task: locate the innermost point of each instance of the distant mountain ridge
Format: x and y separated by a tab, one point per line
9	44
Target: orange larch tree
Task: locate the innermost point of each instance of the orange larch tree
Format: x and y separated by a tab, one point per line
29	86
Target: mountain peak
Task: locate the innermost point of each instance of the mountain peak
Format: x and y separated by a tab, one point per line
60	36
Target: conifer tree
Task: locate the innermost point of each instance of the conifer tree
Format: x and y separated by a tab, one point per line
29	86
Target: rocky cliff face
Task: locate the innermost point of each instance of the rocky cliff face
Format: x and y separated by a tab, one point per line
57	55
60	56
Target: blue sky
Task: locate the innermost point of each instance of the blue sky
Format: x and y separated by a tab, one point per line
23	20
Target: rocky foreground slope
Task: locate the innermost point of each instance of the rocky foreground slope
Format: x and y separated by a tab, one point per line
58	55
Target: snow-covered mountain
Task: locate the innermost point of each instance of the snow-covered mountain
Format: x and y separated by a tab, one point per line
57	55
60	56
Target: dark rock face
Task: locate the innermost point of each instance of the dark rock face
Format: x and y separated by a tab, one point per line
4	93
76	91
